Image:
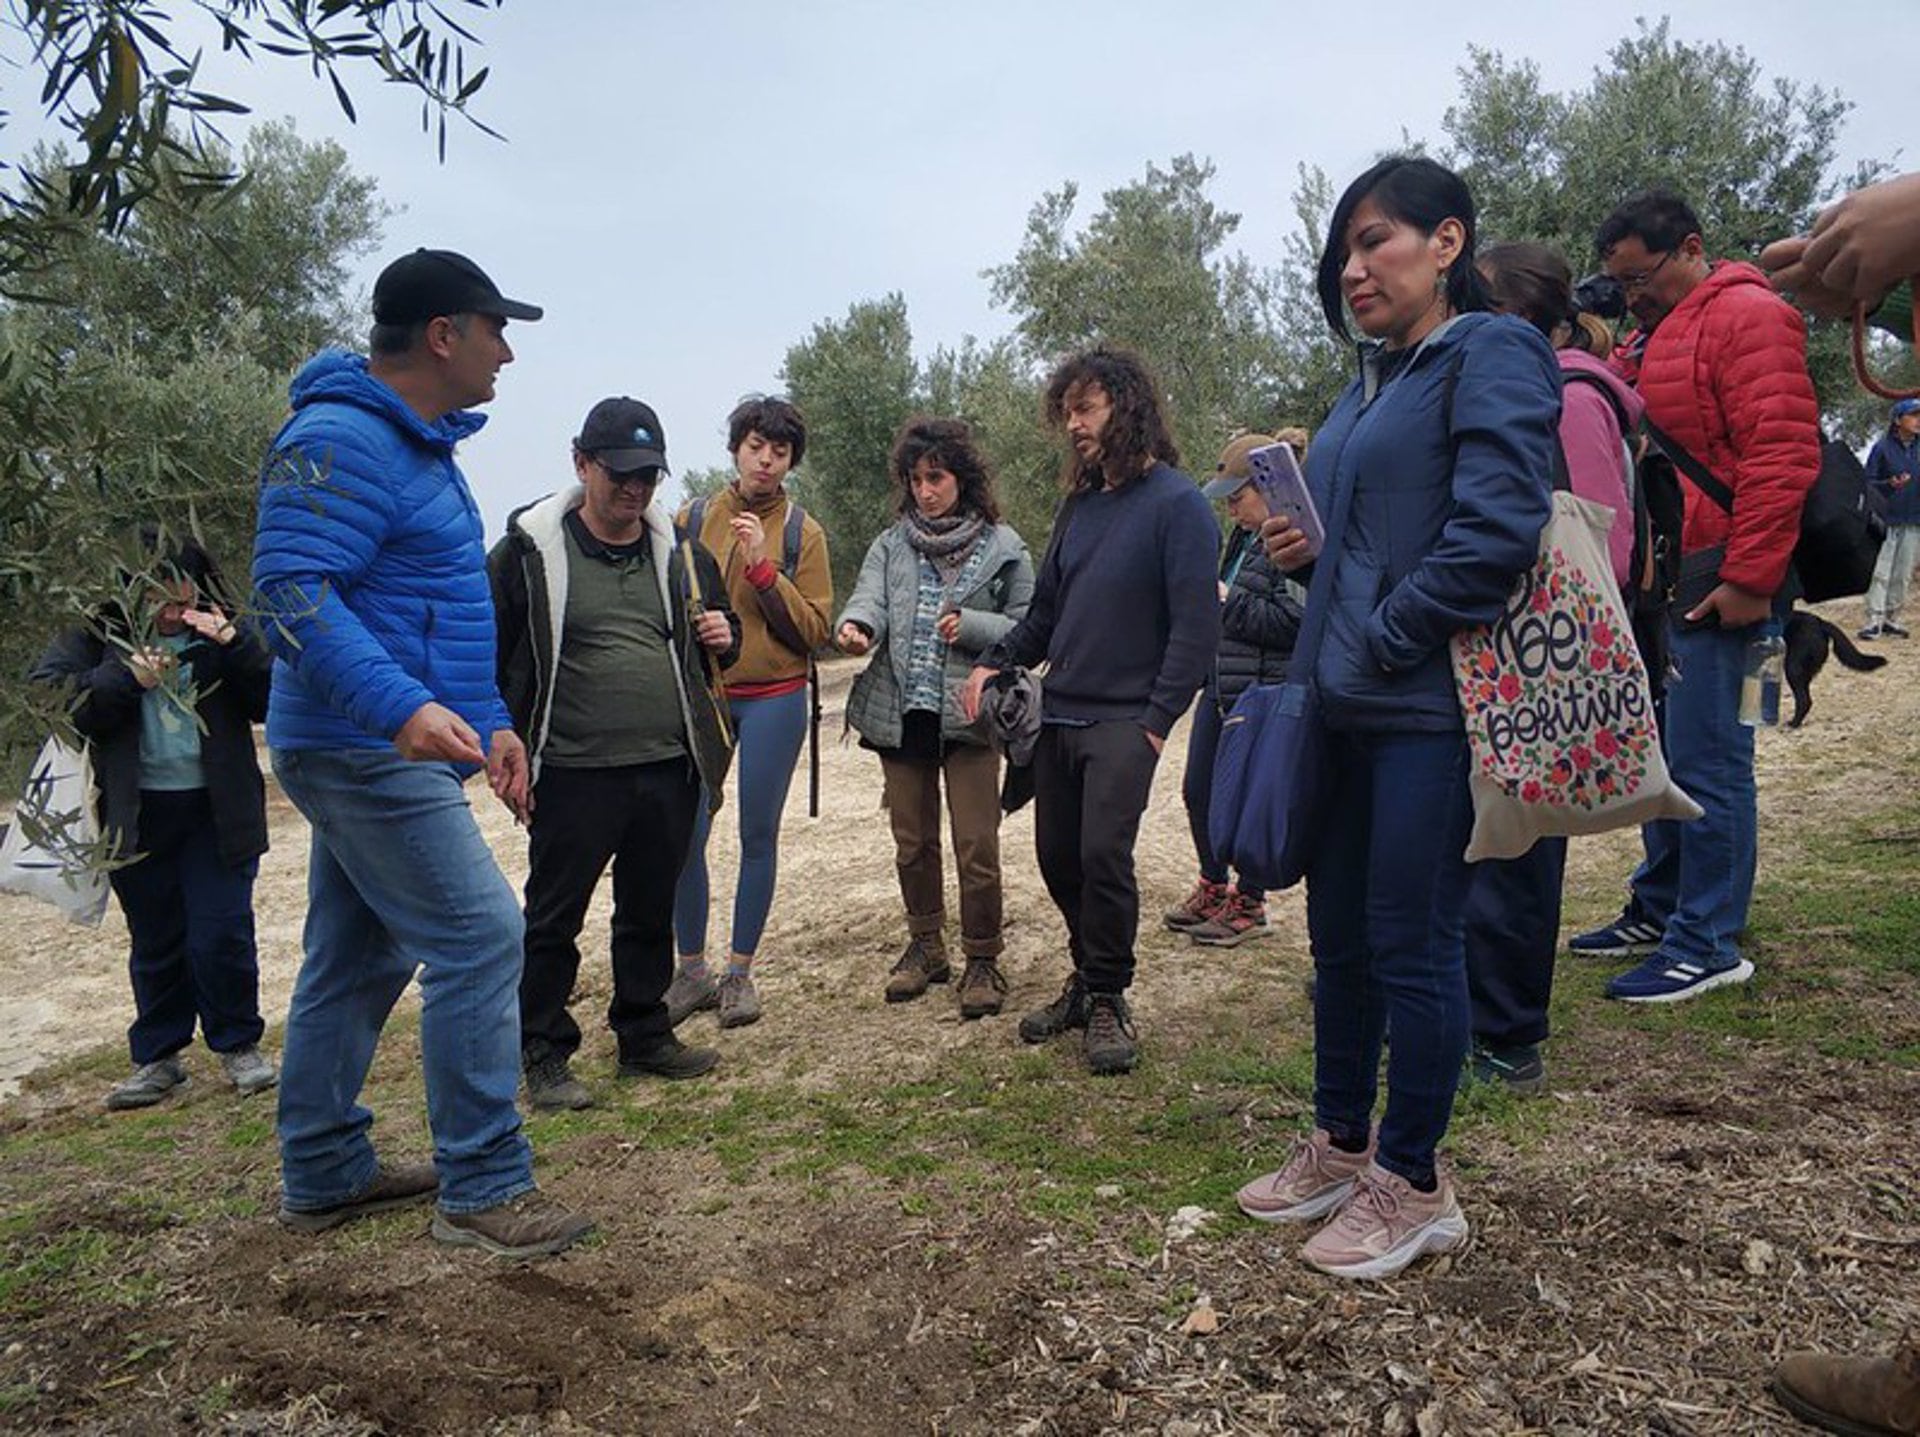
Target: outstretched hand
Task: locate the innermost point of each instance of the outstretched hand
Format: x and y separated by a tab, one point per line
1859	247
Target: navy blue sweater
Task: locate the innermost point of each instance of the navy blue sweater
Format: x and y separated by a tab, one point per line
1124	610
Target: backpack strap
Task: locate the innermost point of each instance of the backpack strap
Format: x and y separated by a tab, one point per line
696	519
1605	390
790	539
1703	478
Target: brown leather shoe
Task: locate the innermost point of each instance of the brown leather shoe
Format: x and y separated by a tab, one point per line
1861	1396
390	1188
982	990
531	1225
923	962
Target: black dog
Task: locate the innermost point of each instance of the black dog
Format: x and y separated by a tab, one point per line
1809	637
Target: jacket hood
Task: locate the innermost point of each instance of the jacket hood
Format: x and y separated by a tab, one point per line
540	520
1578	359
1725	275
335	376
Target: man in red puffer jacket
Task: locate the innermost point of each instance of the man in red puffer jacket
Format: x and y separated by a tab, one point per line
1724	375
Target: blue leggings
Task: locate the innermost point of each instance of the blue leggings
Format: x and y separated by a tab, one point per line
769	732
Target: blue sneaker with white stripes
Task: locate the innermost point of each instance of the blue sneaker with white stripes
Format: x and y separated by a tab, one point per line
1623	938
1672	980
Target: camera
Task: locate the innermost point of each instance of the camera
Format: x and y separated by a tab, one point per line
1602	295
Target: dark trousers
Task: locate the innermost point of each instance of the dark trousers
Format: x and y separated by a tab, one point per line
1196	790
641	818
1385	891
972	772
190	916
1512	936
1090	786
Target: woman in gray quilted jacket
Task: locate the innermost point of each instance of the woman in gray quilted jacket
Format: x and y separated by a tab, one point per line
937	587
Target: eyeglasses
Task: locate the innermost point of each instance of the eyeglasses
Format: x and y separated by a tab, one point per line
624	477
1634	283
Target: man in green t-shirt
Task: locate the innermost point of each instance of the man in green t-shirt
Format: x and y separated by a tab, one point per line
611	633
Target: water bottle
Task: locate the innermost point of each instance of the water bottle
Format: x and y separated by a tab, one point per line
1760	681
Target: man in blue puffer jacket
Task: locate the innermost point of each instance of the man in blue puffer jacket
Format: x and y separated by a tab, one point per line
369	559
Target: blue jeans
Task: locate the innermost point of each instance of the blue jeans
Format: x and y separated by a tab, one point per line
769	732
1697	880
400	879
1385	895
1512	930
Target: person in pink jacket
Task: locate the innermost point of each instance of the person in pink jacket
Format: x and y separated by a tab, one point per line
1513	905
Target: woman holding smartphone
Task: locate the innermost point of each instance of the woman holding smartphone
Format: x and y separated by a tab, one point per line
1432	476
1259	620
937	587
165	689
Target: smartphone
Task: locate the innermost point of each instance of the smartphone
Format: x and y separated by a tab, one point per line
1276	473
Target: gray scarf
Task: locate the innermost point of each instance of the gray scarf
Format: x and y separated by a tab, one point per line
948	540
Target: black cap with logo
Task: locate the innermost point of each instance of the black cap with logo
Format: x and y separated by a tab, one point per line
624	435
431	282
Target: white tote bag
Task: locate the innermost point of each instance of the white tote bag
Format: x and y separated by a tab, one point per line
52	849
1558	709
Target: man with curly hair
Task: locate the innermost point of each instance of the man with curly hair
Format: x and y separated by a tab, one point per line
1125	615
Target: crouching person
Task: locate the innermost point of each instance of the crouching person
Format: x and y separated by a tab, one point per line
610	633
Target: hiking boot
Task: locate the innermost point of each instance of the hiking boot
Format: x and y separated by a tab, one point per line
1877	1395
1197	907
1520	1069
552	1087
1385	1225
531	1225
687	995
1315	1181
1067	1011
923	962
983	988
1111	1045
739	1001
1240	917
390	1188
249	1071
1623	938
1673	980
1871	631
150	1083
1895	631
668	1058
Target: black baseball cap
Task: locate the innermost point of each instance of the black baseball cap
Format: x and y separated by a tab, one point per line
624	435
432	282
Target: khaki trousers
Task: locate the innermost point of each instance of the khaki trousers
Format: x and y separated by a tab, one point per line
972	774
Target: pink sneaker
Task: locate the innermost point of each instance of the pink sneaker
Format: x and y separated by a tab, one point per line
1316	1180
1385	1225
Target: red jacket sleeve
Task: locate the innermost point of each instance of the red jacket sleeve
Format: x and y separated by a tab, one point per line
1753	350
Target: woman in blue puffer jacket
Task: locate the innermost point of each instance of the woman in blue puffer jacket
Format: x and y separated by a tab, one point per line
1433	475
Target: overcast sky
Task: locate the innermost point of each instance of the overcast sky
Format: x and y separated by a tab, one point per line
689	188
